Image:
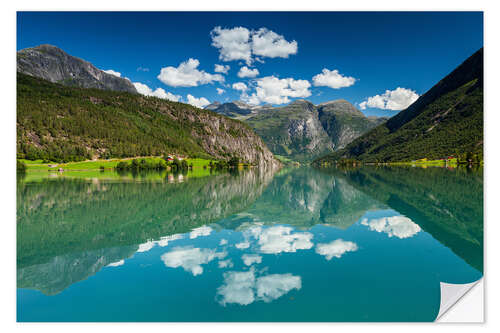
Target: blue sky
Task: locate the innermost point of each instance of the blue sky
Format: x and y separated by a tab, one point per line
367	55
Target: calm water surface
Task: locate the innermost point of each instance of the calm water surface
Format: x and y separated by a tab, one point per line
298	245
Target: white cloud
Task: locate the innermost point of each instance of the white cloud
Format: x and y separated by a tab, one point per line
335	248
398	226
187	75
238	288
271	287
166	239
279	239
244	288
142	69
198	102
190	259
250	259
226	263
223	242
243	245
240	43
233	44
220	91
267	43
158	92
145	247
332	79
221	68
116	264
397	99
200	231
247	72
112	72
273	90
240	86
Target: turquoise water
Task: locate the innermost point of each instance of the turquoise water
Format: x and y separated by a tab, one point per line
298	245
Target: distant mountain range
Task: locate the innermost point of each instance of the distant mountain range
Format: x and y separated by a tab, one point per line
446	120
53	64
301	130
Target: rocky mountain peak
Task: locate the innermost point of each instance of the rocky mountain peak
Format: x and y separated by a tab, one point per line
340	106
53	64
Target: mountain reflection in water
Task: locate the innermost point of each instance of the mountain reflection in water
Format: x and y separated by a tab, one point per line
256	237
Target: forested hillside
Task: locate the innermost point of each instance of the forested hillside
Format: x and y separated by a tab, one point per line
447	120
60	123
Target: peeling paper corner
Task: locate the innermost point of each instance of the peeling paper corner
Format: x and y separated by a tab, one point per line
451	295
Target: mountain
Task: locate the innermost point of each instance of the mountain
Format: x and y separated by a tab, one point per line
344	123
446	120
293	130
235	109
53	64
63	123
303	131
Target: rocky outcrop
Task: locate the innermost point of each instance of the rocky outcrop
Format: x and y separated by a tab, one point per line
53	64
344	123
303	131
293	130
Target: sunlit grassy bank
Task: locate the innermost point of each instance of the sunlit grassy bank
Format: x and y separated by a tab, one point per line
38	165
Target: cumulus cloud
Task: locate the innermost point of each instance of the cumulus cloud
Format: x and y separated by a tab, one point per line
398	226
332	79
247	72
200	231
279	239
240	43
238	288
250	259
244	288
158	92
243	245
335	248
220	91
397	99
198	102
142	69
116	264
233	44
167	239
273	90
190	259
163	241
228	263
240	86
221	68
112	72
223	242
271	287
145	247
267	43
187	75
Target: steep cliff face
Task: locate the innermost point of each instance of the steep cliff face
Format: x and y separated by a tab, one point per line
344	123
293	130
66	121
302	131
53	64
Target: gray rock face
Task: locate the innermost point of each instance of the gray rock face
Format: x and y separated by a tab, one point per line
302	130
234	109
344	123
53	64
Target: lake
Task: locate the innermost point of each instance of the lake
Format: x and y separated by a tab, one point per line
300	244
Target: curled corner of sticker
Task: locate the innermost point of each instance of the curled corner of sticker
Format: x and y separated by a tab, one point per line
451	293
